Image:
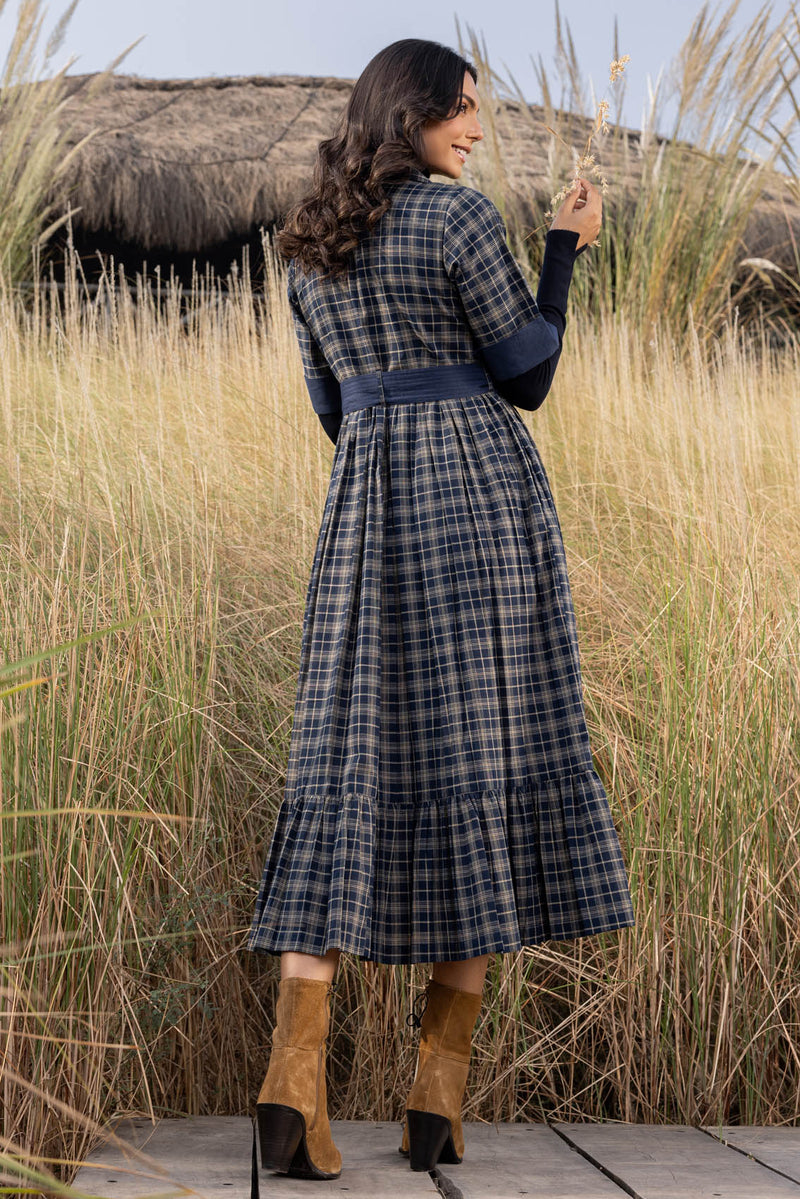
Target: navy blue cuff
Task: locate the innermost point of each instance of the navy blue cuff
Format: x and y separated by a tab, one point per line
565	239
526	348
326	395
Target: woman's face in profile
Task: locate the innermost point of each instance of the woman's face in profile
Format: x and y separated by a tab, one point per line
447	143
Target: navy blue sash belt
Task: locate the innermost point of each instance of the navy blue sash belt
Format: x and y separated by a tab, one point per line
413	386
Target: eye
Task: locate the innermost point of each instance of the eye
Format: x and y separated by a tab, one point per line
462	106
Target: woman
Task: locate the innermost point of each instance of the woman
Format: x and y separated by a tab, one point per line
441	804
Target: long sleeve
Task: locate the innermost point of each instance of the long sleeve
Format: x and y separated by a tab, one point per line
517	335
529	389
323	387
509	332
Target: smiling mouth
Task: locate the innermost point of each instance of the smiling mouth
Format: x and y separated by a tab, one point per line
462	154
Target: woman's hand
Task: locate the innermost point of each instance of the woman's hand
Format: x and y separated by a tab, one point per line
582	211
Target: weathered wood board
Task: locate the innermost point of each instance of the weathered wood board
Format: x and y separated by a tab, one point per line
778	1148
506	1161
656	1161
210	1157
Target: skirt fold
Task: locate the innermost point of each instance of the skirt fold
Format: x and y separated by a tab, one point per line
445	879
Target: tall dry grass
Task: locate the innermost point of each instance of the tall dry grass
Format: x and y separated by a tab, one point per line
170	473
162	477
37	142
680	197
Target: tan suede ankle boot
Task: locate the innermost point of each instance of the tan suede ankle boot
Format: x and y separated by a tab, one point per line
292	1106
433	1109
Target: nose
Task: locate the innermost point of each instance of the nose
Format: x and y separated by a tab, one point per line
476	132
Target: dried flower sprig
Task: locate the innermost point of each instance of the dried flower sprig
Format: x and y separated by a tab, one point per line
618	66
586	163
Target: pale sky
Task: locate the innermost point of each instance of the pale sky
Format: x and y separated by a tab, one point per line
184	38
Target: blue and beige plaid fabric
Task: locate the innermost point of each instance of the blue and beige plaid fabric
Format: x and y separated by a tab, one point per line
435	284
441	800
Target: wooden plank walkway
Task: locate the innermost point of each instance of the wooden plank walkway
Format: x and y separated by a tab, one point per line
676	1162
210	1157
776	1147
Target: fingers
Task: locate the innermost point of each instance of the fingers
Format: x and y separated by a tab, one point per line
581	211
589	210
591	195
574	197
582	195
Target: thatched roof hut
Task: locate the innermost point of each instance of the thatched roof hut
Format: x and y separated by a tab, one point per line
188	163
193	168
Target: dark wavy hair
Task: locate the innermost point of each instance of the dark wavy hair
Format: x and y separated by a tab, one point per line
376	144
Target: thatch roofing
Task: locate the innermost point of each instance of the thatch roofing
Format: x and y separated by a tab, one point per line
187	163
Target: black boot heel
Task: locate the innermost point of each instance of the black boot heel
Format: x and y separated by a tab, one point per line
280	1132
303	1167
430	1140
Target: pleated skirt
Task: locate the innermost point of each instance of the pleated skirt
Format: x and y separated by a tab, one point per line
441	800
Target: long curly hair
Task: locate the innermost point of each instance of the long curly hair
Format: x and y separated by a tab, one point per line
376	144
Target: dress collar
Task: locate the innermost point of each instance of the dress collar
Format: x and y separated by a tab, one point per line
416	173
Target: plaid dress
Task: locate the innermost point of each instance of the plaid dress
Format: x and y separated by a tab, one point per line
441	800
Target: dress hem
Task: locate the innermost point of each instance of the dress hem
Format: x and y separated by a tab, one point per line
402	960
445	880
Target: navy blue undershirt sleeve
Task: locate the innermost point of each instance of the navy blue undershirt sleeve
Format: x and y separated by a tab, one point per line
331	423
529	389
